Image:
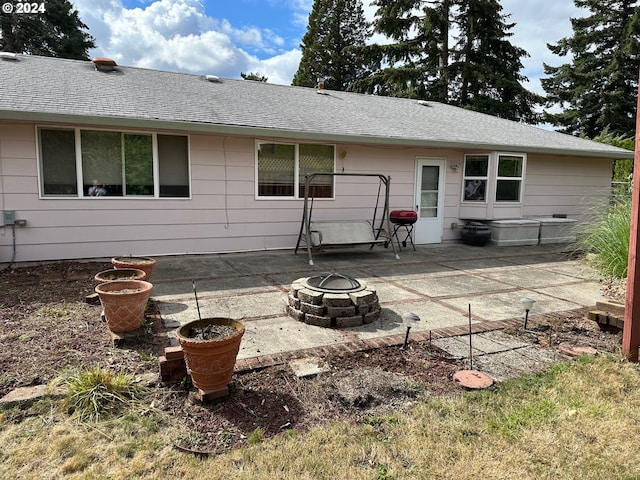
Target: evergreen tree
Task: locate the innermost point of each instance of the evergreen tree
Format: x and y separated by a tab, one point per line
57	32
480	72
437	26
399	68
485	69
622	169
256	77
598	89
334	27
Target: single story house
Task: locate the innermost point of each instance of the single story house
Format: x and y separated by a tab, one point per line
191	163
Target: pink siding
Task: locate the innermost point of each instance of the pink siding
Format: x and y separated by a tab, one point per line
577	189
224	214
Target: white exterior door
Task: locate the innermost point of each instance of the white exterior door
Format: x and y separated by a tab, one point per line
429	200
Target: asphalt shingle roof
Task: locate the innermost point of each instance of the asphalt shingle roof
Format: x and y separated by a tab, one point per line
69	91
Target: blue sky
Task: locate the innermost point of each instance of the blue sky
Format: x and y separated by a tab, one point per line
226	37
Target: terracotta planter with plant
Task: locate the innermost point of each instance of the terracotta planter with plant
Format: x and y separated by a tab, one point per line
122	274
210	347
124	303
145	264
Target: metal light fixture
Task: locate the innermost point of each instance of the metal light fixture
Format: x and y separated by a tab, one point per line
409	318
527	303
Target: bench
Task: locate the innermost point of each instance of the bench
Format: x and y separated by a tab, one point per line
342	233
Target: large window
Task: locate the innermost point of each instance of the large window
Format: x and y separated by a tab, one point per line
77	162
501	174
281	169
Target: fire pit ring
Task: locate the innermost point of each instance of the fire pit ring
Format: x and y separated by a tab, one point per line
334	283
333	300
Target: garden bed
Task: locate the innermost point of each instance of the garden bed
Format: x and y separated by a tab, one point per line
46	328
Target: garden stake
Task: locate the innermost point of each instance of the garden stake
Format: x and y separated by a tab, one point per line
409	317
406	338
195	294
470	347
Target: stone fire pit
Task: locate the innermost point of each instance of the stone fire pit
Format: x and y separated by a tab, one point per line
333	300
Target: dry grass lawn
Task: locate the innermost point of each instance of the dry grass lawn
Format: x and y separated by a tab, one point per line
577	421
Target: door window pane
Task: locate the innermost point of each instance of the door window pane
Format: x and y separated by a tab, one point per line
430	177
429	191
429	204
58	162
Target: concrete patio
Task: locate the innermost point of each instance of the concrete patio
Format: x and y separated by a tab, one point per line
438	283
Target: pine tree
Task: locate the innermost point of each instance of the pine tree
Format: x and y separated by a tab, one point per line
399	68
485	68
335	26
58	32
598	89
480	72
437	26
254	76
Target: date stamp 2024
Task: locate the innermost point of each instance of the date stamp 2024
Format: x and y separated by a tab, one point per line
21	7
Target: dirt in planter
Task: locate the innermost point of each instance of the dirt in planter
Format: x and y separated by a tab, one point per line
211	332
134	261
125	290
115	276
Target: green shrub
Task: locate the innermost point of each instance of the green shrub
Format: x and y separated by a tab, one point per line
607	240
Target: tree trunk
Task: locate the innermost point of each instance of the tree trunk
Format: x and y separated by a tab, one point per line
443	63
8	42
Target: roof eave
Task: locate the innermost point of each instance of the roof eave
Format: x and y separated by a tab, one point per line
120	122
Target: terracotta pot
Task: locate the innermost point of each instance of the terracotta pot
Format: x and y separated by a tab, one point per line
210	362
145	264
124	303
121	274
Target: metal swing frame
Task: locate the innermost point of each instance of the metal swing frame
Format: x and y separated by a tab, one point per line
311	233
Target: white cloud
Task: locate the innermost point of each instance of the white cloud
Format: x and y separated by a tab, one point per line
178	35
278	69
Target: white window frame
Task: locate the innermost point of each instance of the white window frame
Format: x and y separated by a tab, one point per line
82	194
520	178
492	179
486	178
296	174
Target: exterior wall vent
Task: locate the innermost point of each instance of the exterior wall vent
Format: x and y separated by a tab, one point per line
8	56
212	79
103	64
